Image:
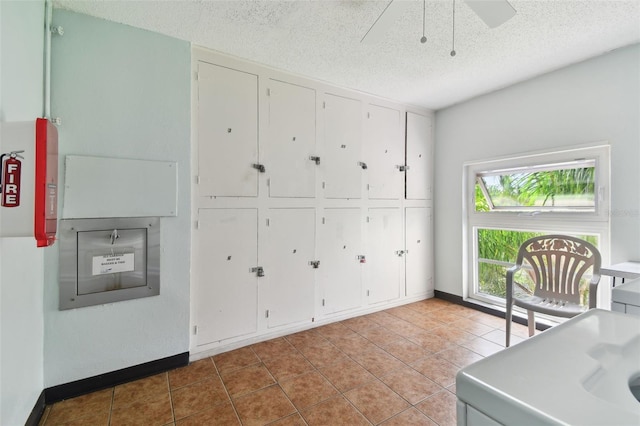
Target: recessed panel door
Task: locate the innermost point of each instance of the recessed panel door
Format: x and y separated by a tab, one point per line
291	140
419	254
419	155
384	254
384	148
226	290
287	252
227	132
339	275
342	148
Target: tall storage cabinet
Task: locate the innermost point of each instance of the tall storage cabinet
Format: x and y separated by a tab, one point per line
311	204
227	132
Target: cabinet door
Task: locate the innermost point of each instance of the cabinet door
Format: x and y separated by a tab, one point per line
291	140
342	148
339	275
419	155
227	132
385	262
419	255
226	292
384	147
286	253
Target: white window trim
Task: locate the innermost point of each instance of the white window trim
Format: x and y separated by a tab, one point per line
593	222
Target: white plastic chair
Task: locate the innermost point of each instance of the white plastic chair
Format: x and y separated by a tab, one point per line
556	264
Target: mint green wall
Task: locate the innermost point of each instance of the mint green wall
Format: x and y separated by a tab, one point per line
121	92
21	263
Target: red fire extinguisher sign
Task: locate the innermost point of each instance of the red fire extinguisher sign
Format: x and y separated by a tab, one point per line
10	188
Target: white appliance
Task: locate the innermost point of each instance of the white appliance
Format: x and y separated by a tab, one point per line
625	298
585	371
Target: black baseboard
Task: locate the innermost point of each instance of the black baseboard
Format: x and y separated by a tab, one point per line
36	413
114	378
495	312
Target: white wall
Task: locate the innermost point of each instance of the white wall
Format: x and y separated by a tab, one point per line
596	100
121	92
21	264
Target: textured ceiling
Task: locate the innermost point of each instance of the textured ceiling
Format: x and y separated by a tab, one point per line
321	39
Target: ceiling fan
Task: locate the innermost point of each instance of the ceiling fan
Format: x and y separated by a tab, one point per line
493	12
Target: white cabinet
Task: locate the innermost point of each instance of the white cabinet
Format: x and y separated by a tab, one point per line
384	148
227	131
419	155
340	245
384	254
286	255
226	290
419	251
291	140
289	172
342	147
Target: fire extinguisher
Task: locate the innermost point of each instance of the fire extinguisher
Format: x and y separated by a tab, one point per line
10	179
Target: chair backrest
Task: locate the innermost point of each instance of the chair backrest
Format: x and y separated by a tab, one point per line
559	263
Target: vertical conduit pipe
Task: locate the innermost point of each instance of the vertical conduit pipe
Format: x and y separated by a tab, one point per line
46	86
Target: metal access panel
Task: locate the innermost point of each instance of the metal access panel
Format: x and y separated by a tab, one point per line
385	254
419	156
227	132
226	289
342	165
290	150
288	253
340	245
108	260
384	147
419	253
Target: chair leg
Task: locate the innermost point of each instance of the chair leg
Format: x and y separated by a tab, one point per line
531	322
508	328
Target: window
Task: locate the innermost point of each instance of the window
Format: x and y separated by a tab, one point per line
549	187
510	200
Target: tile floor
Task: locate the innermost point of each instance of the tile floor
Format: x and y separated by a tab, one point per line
394	367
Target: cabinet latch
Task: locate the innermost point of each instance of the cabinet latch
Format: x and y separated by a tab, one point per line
259	271
363	165
314	159
315	264
362	258
401	252
402	167
259	167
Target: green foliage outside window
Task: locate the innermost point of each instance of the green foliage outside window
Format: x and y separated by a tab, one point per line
529	189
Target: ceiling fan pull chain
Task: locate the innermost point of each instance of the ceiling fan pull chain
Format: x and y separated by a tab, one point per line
423	39
453	42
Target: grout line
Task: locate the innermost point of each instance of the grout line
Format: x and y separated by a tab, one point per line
113	397
173	411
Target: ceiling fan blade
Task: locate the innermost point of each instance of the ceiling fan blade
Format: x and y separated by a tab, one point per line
385	21
493	12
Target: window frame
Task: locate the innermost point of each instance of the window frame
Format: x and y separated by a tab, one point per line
576	221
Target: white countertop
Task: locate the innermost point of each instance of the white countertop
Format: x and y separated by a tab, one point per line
627	270
576	373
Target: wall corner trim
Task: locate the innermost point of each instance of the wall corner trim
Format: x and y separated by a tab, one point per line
36	413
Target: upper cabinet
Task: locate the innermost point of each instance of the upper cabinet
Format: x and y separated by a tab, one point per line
291	140
384	149
342	147
227	132
419	155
